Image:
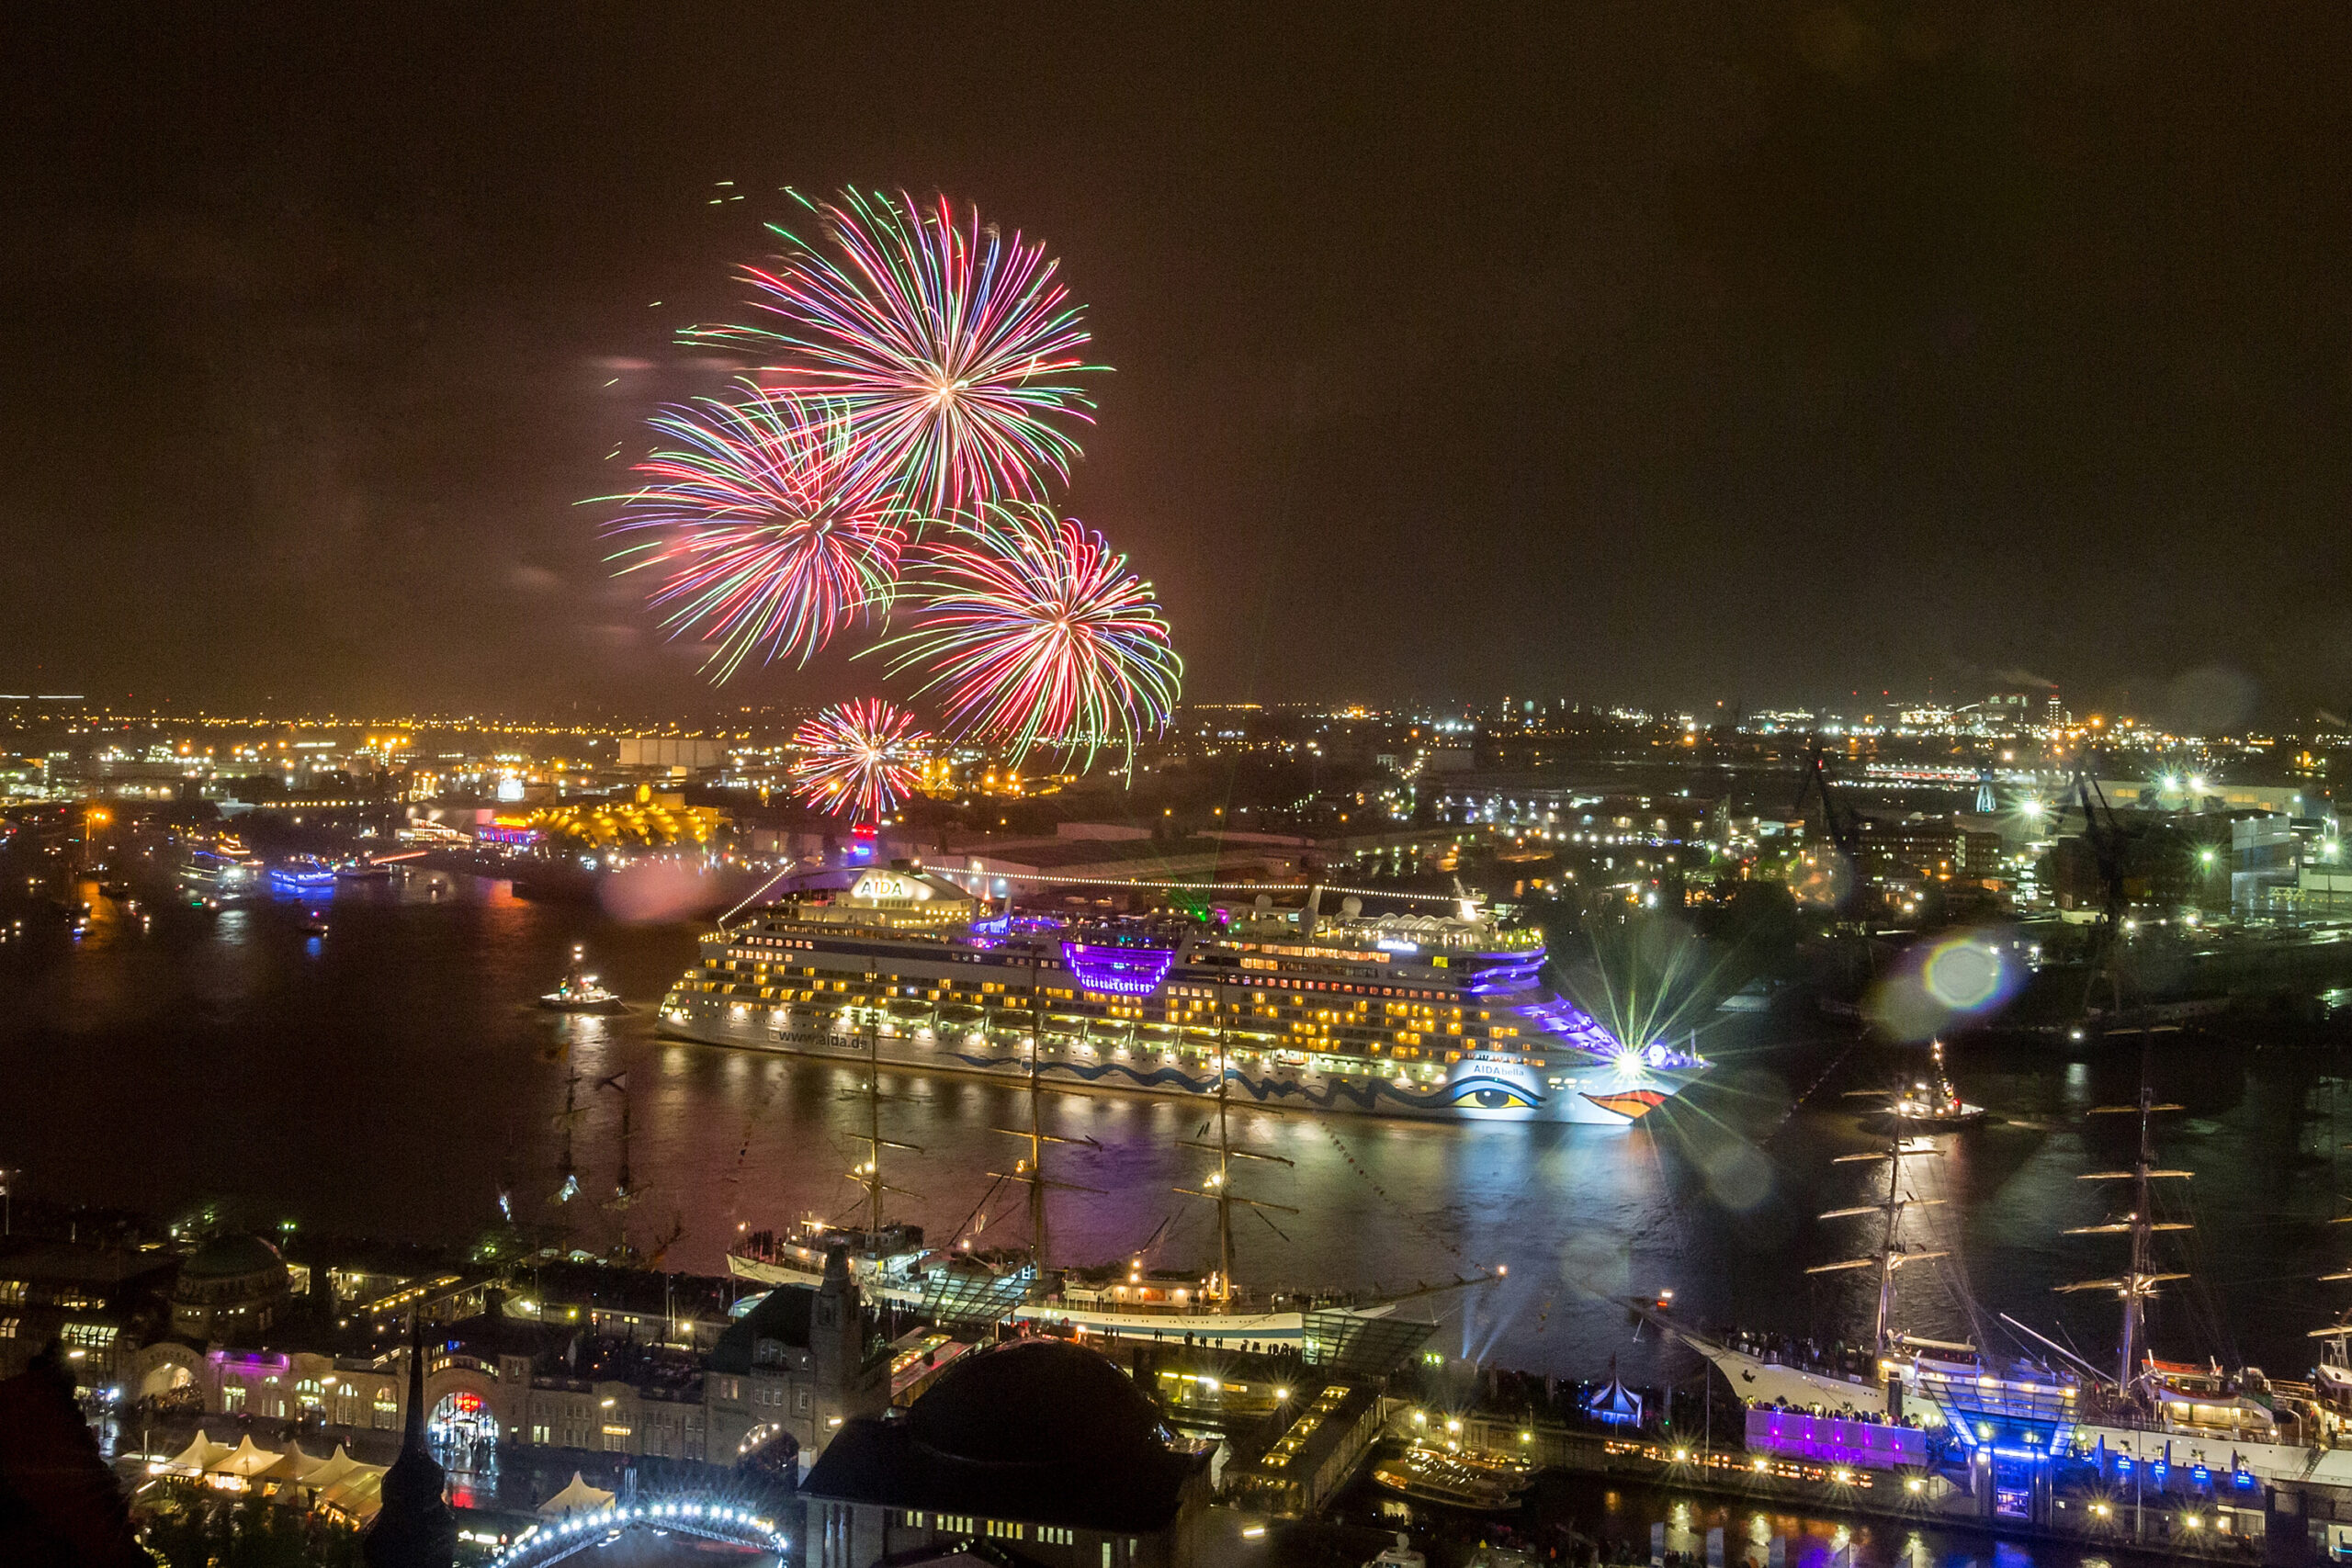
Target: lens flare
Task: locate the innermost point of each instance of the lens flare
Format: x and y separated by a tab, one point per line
1939	983
1963	974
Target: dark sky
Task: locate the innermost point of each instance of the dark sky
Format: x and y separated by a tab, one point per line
1641	350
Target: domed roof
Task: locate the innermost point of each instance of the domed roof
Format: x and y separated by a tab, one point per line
231	1256
1035	1402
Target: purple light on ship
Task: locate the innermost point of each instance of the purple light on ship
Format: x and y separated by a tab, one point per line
1865	1445
1121	971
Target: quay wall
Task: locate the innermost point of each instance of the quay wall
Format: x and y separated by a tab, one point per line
2271	1533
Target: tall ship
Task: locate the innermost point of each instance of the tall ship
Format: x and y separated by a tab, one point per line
2151	1427
1416	1015
955	1285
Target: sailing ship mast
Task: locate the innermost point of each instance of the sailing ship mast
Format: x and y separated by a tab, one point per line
869	1174
2139	1282
624	1188
1221	1182
1032	1170
2335	1368
567	1169
1891	1254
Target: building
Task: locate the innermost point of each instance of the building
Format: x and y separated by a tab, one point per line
669	753
98	1303
1912	849
502	1378
1041	1449
802	1361
1318	1450
233	1285
585	1357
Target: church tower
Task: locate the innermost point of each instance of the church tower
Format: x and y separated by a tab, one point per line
415	1527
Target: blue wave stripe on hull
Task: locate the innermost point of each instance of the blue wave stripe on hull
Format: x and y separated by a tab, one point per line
1363	1097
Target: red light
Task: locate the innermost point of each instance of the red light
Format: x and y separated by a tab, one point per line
864	832
465	1403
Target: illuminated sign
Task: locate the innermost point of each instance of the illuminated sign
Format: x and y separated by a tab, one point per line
882	884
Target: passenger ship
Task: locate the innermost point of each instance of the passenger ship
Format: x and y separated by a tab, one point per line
1413	1015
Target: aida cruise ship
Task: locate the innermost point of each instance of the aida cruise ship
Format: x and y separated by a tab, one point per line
1441	1015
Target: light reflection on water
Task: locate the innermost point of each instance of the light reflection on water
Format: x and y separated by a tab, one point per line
390	1076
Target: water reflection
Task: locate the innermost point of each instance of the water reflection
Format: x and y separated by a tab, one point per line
399	1077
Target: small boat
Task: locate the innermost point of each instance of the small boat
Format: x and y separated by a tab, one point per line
1427	1475
1931	1104
578	990
313	924
361	869
301	873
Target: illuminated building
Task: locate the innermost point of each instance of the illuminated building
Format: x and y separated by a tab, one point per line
1040	1449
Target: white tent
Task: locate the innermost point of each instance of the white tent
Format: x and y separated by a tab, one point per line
357	1494
293	1465
577	1497
200	1455
245	1463
332	1469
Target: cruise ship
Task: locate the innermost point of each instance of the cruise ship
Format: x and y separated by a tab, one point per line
1416	1015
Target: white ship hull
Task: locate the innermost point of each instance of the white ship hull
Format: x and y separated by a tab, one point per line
1760	1382
1206	1327
1480	1087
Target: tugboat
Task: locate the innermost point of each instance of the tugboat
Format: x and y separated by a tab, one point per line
578	990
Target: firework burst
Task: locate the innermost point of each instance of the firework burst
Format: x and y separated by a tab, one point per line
953	347
857	756
1038	634
768	527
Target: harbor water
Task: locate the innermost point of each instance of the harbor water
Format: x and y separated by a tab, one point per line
392	1077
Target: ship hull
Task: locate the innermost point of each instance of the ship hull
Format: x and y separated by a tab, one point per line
1475	1088
1761	1381
1208	1328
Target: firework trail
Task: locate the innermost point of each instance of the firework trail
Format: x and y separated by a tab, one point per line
858	756
768	527
1038	634
952	346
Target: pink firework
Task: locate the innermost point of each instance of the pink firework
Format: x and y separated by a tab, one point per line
1039	636
857	756
953	348
769	529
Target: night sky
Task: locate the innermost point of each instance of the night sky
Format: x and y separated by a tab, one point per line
1650	352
